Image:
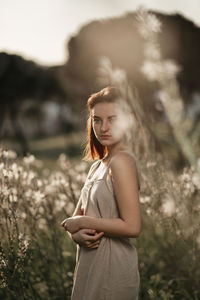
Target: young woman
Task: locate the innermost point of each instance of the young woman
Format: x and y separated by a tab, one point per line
107	214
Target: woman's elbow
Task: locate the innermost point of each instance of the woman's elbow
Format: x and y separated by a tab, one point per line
135	231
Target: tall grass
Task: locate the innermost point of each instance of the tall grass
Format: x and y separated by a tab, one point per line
36	257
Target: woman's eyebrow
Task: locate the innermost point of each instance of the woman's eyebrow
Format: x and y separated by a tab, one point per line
112	116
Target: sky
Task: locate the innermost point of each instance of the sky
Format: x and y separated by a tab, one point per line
39	29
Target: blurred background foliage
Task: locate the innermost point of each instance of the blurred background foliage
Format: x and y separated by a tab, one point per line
38	101
43	112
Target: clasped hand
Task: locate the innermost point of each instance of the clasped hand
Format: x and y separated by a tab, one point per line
89	238
72	224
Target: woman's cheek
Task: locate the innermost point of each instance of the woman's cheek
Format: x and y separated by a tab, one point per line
117	130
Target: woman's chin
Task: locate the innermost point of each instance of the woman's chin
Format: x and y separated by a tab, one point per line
108	142
105	143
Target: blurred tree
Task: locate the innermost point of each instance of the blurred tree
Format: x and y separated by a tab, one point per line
119	40
21	81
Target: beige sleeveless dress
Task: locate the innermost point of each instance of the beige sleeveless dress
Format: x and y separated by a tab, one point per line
109	272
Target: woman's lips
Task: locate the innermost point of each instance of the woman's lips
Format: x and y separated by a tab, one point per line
105	136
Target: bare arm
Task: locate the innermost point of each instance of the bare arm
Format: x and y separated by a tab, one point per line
77	212
125	184
86	237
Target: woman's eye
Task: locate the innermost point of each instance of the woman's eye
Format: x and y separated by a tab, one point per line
96	121
113	120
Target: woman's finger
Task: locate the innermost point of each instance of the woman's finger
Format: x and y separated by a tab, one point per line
95	244
96	237
94	247
89	231
92	244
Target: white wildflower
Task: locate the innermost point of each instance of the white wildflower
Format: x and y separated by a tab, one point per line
25	175
152	51
148	23
41	210
9	154
124	122
15	170
62	196
151	164
23	215
153	23
196	179
66	253
4	263
118	76
29	159
12	198
81	167
151	70
63	161
28	177
20	236
38	163
50	189
81	177
169	68
24	240
168	206
149	211
26	243
145	199
38	196
28	193
185	177
14	191
8	174
42	224
39	182
5	191
108	75
157	70
59	204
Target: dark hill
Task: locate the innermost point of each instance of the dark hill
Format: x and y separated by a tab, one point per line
119	40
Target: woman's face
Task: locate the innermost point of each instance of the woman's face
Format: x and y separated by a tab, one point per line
107	123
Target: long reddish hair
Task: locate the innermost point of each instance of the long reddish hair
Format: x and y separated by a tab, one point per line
94	149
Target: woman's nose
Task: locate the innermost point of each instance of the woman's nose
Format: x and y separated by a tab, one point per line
104	126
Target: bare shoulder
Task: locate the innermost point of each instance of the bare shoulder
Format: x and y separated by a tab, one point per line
123	165
122	160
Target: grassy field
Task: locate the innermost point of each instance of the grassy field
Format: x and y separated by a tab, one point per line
48	149
37	258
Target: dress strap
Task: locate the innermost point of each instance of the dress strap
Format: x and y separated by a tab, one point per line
93	168
106	171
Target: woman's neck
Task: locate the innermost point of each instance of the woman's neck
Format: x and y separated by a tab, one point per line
114	149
